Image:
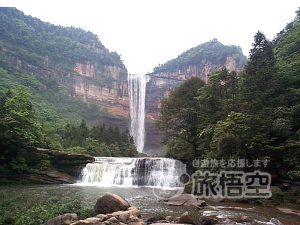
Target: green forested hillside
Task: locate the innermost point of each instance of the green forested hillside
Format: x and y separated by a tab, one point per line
30	39
49	53
37	62
212	51
252	118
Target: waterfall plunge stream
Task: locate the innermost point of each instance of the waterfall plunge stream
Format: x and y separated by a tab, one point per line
154	172
137	93
129	172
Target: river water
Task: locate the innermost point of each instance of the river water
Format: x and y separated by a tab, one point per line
142	182
145	198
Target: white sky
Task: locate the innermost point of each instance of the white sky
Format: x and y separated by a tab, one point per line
149	32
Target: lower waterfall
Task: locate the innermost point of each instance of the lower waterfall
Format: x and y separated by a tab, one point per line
155	172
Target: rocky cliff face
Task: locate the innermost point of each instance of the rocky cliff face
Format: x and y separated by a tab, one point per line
112	98
84	82
162	83
65	57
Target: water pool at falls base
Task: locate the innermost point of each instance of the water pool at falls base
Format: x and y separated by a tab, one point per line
143	198
142	182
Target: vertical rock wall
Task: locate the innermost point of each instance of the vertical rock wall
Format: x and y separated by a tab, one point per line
160	86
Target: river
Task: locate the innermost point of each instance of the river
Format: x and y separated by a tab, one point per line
142	182
144	198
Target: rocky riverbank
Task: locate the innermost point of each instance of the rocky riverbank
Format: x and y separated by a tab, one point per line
111	209
46	166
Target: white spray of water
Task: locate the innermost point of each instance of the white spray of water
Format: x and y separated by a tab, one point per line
155	172
137	93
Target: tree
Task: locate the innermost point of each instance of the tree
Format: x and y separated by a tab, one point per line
218	97
181	150
258	78
240	136
179	112
19	126
76	135
19	120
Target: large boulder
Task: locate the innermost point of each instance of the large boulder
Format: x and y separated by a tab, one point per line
65	219
110	203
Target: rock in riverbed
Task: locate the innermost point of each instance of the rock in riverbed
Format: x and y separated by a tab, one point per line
186	200
110	203
110	209
68	218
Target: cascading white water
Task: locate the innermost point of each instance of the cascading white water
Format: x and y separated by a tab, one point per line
155	172
137	93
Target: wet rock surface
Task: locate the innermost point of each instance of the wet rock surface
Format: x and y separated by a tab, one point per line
112	209
185	200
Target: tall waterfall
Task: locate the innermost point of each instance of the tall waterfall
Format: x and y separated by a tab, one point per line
155	172
137	92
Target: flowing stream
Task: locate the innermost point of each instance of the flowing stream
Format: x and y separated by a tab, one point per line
137	92
130	172
142	182
141	197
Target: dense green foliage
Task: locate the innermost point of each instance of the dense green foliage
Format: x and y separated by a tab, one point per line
37	62
212	51
33	212
30	40
179	113
253	115
21	127
99	141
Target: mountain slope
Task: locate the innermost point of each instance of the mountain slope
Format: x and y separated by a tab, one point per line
196	62
59	64
287	52
46	45
203	59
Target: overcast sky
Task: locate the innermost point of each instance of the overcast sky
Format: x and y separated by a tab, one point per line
148	32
